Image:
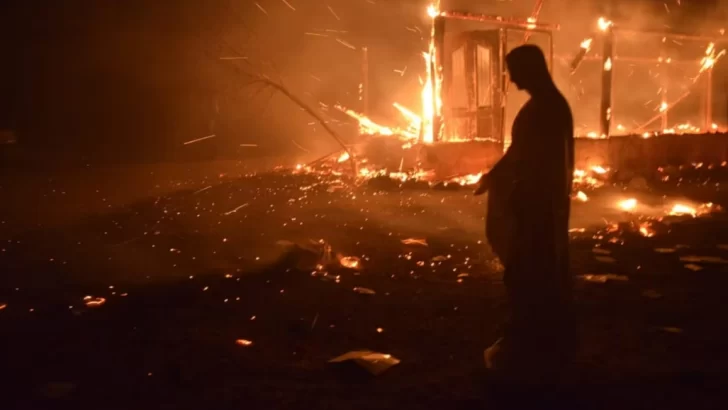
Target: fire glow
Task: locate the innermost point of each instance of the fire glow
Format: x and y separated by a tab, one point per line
426	127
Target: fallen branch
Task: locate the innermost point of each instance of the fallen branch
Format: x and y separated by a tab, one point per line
312	113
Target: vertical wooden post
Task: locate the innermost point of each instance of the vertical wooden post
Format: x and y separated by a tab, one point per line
436	67
605	112
502	89
709	100
364	86
664	84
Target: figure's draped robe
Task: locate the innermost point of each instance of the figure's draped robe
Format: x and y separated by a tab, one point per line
528	210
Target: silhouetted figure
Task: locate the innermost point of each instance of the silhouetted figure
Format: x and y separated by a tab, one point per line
527	224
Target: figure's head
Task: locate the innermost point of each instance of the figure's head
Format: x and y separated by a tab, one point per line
528	69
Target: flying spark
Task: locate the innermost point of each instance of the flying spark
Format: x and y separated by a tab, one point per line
236	209
200	139
334	13
261	9
289	5
344	43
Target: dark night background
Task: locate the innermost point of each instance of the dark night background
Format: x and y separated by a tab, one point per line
130	81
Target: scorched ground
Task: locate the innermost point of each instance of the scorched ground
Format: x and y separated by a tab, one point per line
231	291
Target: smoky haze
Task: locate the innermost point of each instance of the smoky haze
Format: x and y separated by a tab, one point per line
134	80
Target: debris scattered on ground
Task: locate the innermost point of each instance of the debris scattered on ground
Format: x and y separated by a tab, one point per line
414	241
94	301
604	278
605	259
373	362
601	251
703	259
244	342
693	267
364	291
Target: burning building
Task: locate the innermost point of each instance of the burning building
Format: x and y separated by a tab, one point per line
463	126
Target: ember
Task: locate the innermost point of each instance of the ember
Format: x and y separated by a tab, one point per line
351	262
91	301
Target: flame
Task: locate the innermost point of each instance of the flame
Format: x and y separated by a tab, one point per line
710	49
351	262
599	170
664	106
431	101
646	230
364	172
432	11
432	90
680	209
418	125
604	24
366	125
708	62
466	180
402	176
243	342
627	204
531	23
608	64
582	196
582	177
408	114
344	157
414	121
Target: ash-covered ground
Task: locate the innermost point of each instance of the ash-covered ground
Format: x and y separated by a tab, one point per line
208	287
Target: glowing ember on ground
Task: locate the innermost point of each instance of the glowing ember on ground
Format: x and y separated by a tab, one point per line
583	177
243	342
414	241
351	262
94	301
627	204
646	230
